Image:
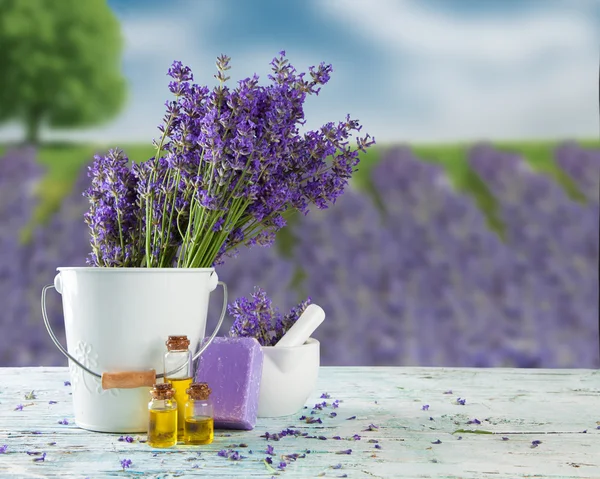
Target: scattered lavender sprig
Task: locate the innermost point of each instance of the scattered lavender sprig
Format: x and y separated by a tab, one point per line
125	463
230	454
42	458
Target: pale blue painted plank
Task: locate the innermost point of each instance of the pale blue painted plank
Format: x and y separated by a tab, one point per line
554	406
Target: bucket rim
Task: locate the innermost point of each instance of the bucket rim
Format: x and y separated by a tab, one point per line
104	269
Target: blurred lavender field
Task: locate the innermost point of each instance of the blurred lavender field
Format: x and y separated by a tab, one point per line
413	277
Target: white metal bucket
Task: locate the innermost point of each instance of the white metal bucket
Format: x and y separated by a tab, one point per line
118	319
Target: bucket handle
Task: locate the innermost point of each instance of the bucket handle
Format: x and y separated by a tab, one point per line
89	371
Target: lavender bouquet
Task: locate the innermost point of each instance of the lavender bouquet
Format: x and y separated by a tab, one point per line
230	166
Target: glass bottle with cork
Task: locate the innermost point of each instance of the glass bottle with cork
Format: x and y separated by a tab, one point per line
198	419
178	372
162	425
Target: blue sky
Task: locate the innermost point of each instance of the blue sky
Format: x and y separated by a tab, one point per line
426	70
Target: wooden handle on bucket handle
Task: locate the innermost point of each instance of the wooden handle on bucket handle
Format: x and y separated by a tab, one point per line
129	379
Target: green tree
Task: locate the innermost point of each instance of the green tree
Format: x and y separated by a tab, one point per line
60	64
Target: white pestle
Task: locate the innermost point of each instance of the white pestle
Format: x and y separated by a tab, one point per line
304	326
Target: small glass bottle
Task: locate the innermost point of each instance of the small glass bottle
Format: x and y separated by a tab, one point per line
178	372
198	419
162	425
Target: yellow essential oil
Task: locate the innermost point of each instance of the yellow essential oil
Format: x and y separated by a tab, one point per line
162	416
198	430
198	420
180	386
162	430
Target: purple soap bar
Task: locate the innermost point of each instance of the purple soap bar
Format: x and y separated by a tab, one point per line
232	367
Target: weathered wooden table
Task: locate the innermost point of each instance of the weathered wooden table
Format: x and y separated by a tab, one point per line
389	422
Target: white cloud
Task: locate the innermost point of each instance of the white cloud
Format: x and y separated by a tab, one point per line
479	77
408	25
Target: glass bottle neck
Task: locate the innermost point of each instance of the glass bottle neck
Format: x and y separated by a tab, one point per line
178	364
162	404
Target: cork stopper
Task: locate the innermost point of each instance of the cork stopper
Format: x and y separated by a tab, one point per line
162	391
177	343
199	391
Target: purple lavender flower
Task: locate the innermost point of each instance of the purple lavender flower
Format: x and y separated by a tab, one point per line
126	463
3	449
258	318
114	217
254	318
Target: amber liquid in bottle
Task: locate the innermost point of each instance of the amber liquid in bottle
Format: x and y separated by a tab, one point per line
198	430
162	430
180	386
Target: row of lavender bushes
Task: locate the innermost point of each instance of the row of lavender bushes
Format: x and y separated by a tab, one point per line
420	280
